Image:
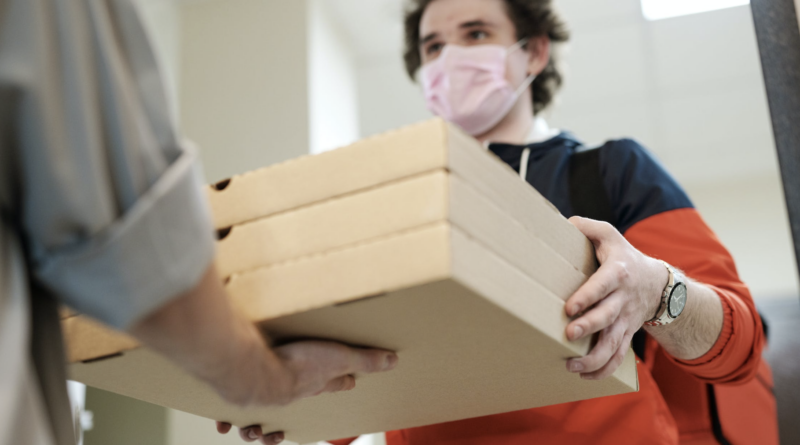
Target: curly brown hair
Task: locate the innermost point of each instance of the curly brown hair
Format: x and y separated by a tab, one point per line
531	18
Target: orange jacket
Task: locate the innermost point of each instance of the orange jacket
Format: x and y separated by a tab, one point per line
672	405
704	401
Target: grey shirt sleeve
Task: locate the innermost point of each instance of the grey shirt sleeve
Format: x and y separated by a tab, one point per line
107	196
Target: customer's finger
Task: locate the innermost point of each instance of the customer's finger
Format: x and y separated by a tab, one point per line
344	383
251	433
322	366
272	438
223	427
367	361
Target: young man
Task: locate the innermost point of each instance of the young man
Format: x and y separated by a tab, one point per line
715	334
487	66
101	208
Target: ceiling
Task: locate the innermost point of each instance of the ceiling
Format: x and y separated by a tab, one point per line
374	27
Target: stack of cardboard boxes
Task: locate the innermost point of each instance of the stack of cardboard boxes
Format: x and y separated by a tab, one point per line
418	241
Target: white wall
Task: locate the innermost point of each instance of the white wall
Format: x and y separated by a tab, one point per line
244	82
690	88
387	98
750	219
333	107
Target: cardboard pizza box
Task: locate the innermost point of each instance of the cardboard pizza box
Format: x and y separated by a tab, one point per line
456	264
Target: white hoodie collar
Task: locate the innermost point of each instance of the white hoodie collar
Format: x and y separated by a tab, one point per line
541	132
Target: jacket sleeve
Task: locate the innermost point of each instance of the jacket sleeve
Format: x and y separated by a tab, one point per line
681	238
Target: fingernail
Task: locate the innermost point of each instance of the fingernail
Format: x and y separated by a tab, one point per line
391	362
577	331
252	434
277	439
575	366
576	308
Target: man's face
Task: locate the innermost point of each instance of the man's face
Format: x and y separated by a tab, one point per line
479	22
464	23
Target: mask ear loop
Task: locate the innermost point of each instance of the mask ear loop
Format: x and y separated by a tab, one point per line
529	80
520	43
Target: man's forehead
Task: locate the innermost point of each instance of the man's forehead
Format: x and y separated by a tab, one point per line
447	15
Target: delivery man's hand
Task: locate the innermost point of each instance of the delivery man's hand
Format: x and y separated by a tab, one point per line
615	301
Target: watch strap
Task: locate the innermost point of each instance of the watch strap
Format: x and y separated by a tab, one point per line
662	316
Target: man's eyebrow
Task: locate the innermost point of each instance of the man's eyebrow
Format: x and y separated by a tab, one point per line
469	24
428	38
474	24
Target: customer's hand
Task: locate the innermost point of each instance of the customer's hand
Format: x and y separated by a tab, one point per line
201	332
615	301
305	369
252	434
294	371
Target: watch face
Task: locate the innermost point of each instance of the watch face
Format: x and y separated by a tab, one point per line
677	300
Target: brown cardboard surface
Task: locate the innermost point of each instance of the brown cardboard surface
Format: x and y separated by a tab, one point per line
386	158
475	337
89	340
309	179
335	223
419	241
403	205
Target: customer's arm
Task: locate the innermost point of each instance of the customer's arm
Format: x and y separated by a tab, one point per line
200	331
109	203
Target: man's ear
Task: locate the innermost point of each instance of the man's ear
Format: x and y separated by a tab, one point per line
539	52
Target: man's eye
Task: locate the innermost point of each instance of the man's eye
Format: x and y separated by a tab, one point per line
434	48
478	35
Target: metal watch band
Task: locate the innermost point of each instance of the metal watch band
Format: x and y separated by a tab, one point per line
662	316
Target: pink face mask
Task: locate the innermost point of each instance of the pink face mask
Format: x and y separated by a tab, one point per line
468	86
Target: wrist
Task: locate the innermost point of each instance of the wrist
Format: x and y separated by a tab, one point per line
249	370
673	300
659	280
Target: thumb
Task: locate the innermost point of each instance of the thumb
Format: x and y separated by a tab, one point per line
367	361
344	383
597	231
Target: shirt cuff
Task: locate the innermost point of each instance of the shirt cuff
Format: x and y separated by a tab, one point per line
158	249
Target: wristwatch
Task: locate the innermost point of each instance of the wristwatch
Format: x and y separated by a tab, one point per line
673	299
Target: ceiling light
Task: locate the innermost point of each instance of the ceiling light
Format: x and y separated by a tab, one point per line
662	9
